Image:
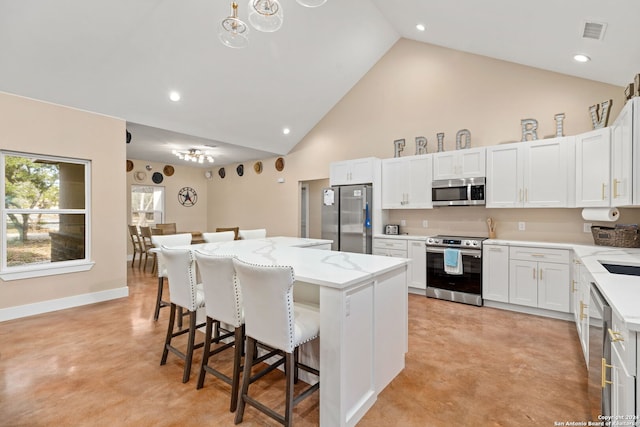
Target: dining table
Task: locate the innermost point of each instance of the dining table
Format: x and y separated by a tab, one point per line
363	305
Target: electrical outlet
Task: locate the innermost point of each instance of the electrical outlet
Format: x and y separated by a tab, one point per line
425	224
586	227
521	226
403	222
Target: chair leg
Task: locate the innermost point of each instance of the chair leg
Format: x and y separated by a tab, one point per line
146	258
291	368
167	341
246	377
154	266
158	298
205	353
296	358
190	346
133	258
237	361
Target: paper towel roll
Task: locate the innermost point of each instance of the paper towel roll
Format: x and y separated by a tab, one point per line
601	214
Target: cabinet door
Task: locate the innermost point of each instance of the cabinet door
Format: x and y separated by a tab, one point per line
418	183
621	157
418	267
593	168
361	171
545	174
472	162
553	287
339	173
445	165
504	176
622	389
495	273
393	175
523	283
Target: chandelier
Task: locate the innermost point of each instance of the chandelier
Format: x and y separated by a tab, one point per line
264	15
193	155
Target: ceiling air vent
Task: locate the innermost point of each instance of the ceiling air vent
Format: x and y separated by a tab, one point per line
593	30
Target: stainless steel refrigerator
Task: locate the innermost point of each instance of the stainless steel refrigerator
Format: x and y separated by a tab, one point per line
346	217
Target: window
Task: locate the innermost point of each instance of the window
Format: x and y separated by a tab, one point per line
147	205
45	215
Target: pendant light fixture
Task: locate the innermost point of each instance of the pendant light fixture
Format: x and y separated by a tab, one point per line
265	15
234	31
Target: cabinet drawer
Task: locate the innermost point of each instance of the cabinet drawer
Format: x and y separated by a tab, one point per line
624	342
390	252
390	244
539	254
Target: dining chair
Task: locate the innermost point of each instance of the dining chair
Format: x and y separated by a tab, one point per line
219	236
272	317
259	233
234	229
147	245
135	241
168	228
184	292
159	241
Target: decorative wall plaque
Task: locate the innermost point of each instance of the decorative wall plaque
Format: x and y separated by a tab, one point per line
398	147
529	127
600	120
559	118
636	85
463	133
440	137
629	91
421	145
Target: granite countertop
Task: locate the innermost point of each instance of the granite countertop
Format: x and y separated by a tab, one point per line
621	291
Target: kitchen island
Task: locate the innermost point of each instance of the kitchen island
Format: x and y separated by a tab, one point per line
363	317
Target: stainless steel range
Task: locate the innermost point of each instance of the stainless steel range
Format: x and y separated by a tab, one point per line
454	268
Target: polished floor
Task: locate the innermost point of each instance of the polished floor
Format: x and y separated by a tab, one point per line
99	365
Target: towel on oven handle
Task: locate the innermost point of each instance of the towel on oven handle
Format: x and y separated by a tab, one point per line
452	261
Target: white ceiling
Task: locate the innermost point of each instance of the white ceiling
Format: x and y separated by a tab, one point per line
123	57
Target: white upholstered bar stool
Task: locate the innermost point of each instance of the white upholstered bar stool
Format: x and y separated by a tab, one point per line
186	293
220	236
259	233
169	241
272	318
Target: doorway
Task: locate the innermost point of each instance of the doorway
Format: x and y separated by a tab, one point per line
310	207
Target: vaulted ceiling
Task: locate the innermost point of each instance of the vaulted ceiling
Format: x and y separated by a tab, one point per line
123	58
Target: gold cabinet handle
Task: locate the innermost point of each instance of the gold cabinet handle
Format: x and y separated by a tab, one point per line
615	336
540	274
534	273
537	255
573	286
582	307
603	191
526	194
604	381
520	195
615	188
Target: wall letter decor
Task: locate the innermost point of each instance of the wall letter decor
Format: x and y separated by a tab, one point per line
559	118
529	127
467	139
421	145
603	120
440	137
398	146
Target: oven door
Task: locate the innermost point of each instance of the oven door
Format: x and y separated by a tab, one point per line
465	287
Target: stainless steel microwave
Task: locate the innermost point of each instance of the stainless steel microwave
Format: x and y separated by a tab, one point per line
458	192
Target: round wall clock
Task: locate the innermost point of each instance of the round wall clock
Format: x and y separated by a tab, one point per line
187	196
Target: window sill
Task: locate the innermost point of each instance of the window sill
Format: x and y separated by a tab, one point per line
49	270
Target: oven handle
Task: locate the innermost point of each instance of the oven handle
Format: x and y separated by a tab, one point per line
471	252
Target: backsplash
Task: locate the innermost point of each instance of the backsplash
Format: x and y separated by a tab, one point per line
544	225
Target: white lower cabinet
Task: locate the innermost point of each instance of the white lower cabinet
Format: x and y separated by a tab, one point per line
418	268
495	272
623	370
581	297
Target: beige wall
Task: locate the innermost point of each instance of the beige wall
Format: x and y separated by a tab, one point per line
42	128
418	89
192	218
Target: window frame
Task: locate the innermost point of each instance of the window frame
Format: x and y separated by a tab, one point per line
52	268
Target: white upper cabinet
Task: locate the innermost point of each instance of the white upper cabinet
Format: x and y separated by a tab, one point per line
465	163
531	174
621	157
358	171
406	182
593	154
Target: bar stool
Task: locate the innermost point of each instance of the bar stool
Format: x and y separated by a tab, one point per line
168	241
259	233
272	318
186	293
219	236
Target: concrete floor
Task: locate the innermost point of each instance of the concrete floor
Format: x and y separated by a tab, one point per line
99	365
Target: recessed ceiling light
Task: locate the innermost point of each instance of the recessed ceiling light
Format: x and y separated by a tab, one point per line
581	58
286	131
174	96
420	27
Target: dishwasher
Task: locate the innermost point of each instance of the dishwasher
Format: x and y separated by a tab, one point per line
599	355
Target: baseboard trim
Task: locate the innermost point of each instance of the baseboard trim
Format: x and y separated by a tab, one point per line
26	310
530	310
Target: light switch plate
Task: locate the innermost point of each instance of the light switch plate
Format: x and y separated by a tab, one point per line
521	226
403	223
586	227
425	224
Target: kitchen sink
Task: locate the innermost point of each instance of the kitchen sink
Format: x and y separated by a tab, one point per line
629	270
